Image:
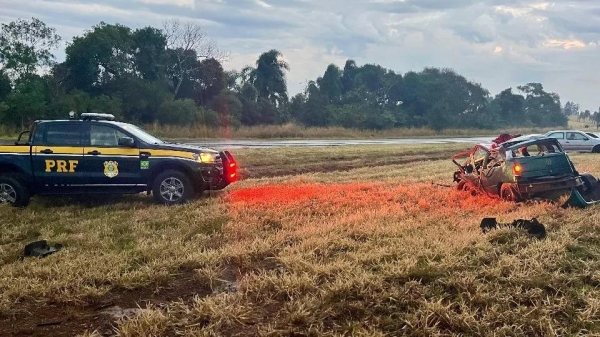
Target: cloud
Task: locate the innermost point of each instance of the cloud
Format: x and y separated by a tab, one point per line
565	44
178	3
499	43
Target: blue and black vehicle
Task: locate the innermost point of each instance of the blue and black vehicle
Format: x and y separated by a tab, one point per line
95	154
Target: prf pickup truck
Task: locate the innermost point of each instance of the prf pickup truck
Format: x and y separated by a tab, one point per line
96	155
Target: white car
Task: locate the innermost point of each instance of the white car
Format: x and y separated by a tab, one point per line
573	140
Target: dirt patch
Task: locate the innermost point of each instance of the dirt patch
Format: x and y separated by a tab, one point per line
48	319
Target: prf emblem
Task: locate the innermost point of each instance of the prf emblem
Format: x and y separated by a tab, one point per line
111	169
61	166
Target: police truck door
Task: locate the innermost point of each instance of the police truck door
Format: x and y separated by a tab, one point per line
108	163
57	153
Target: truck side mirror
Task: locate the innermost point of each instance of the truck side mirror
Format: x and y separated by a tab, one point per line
126	142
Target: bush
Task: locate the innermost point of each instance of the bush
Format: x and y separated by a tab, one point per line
207	117
178	112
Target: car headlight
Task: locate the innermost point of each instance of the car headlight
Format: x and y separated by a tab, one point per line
206	158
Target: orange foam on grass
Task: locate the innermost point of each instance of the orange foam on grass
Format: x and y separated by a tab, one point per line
417	197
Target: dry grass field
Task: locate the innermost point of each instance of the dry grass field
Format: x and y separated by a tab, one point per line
339	241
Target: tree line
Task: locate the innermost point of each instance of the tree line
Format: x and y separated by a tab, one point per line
573	109
174	75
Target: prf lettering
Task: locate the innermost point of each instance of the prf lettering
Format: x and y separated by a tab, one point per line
60	166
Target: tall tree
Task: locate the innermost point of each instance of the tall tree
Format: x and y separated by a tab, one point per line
269	77
210	80
5	85
542	108
350	70
571	109
150	53
27	102
331	83
510	107
187	44
99	57
26	45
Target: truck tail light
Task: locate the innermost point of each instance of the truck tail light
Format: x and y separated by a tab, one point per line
229	167
517	169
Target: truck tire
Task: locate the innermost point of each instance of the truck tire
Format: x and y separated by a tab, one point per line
590	182
13	191
172	187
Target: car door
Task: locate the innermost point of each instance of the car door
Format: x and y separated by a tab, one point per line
560	136
493	173
106	163
578	141
57	153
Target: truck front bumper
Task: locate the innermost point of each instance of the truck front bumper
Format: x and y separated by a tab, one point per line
217	177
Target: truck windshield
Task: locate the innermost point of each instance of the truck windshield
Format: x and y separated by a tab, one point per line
141	134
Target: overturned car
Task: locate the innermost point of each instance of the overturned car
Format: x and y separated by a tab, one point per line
524	167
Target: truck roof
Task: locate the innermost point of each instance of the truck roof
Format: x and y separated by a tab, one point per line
84	117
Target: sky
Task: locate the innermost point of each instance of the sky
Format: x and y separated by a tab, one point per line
498	43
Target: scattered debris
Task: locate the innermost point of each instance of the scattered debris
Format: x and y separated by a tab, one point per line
227	287
533	227
50	323
118	313
41	249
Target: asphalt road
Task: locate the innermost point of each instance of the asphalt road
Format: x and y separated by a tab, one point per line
232	144
236	144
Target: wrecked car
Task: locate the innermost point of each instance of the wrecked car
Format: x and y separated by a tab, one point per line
524	167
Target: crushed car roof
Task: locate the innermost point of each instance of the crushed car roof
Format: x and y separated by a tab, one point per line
526	141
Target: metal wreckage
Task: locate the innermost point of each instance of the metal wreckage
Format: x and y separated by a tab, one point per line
518	168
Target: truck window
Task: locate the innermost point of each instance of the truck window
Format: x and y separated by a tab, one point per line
58	134
102	135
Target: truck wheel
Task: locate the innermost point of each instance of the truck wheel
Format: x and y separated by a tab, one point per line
13	191
172	187
508	192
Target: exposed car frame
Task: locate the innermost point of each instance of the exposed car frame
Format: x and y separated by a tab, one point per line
507	170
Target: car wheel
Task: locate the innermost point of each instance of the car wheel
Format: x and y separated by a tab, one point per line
596	149
172	188
466	187
13	191
509	192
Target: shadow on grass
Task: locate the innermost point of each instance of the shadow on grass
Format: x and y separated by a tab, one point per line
91	201
120	201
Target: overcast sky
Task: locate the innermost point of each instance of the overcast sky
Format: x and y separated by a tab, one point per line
498	43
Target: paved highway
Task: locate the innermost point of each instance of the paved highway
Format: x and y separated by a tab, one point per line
236	144
232	144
